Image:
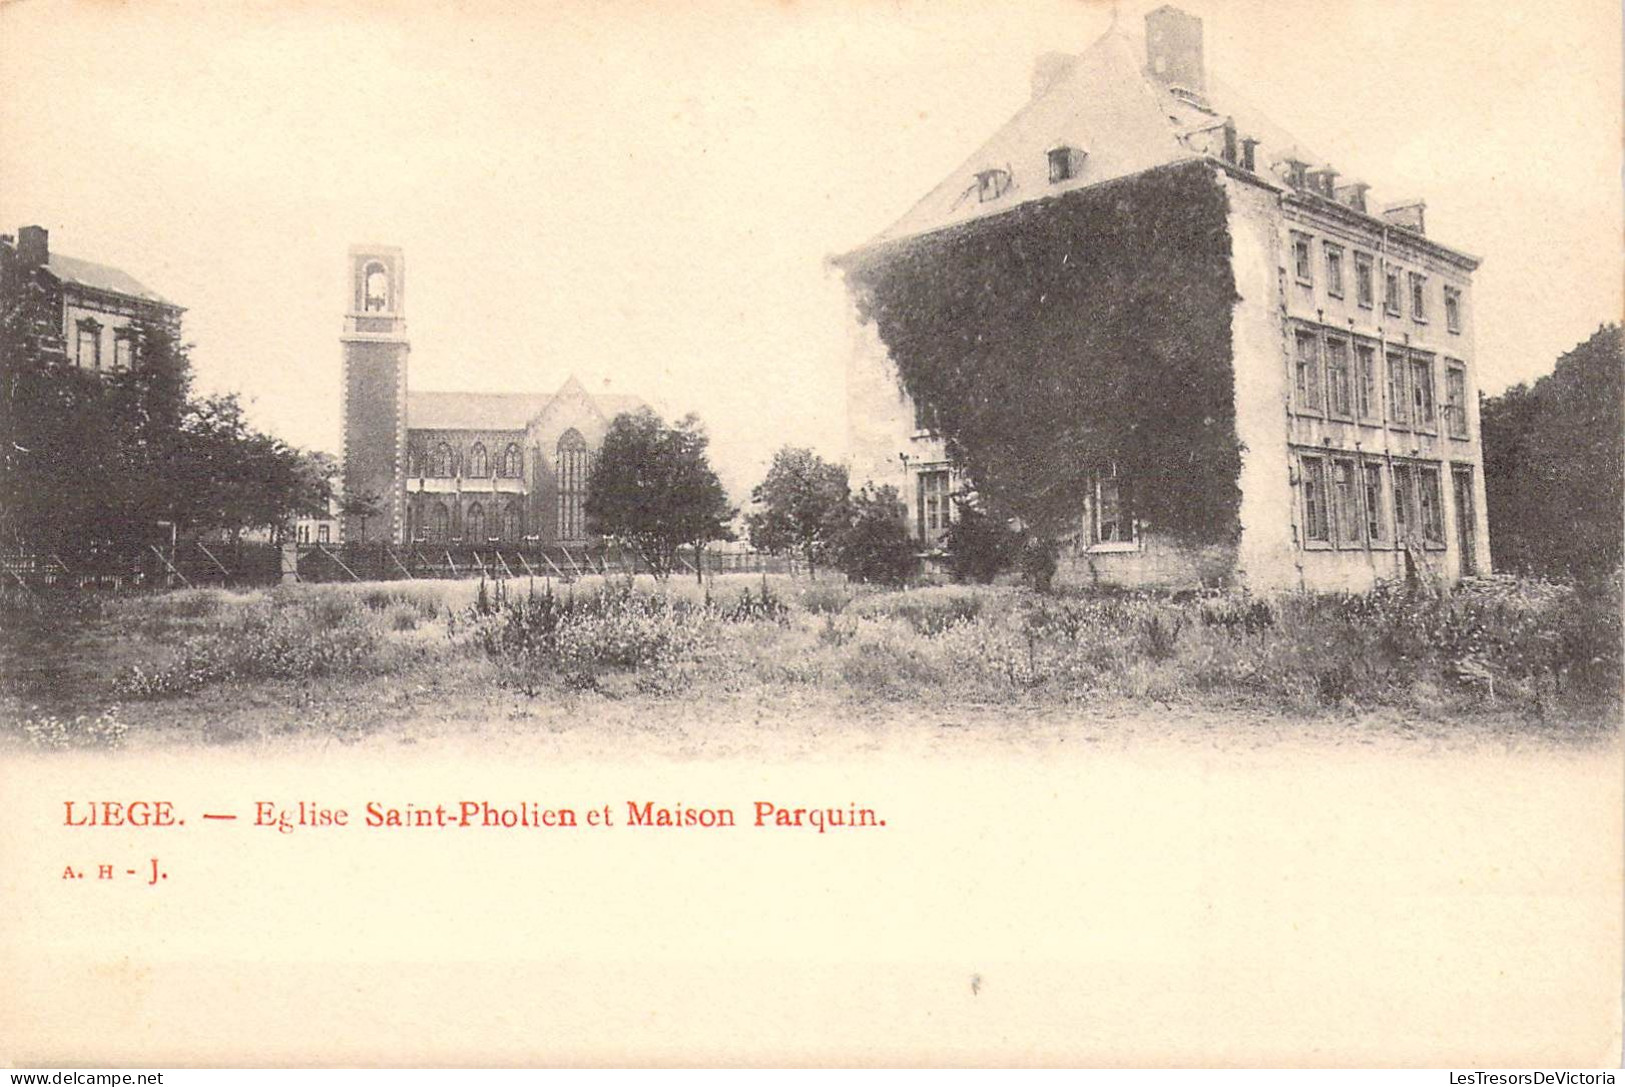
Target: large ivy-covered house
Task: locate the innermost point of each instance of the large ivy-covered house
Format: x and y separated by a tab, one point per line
1148	323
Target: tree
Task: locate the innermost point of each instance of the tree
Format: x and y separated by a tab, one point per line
805	504
363	507
1554	464
652	485
876	545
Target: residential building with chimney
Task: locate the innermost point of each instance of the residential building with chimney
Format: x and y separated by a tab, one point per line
1339	347
454	468
84	313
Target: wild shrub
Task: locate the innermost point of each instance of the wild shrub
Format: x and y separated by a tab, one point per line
929	614
296	642
763	608
825	598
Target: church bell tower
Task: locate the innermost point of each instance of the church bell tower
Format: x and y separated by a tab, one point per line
374	394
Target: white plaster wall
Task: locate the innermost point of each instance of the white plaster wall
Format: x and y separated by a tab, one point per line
882	445
1266	555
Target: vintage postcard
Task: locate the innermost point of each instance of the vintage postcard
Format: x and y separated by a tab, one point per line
826	533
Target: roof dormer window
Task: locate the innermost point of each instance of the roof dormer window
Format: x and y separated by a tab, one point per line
992	184
1065	163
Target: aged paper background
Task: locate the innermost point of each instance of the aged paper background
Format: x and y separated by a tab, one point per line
1250	892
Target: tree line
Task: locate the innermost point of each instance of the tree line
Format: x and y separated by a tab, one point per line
1554	465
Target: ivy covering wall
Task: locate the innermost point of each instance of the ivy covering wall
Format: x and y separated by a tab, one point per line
1074	332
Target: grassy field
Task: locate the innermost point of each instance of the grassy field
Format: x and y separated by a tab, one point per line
425	658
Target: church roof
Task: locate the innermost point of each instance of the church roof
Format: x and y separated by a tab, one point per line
497	411
1104	103
101	277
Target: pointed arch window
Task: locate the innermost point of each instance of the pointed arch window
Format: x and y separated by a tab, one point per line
479	466
440	461
572	465
439	525
513	462
474	524
513	522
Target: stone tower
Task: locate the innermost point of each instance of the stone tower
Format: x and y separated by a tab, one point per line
374	393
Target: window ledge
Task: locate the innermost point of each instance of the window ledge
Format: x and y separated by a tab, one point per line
1115	547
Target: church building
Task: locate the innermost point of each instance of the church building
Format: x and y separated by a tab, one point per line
454	468
1239	368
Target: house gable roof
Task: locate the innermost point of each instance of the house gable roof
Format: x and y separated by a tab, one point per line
101	277
1104	103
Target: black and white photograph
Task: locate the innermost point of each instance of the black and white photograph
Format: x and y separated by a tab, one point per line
829	533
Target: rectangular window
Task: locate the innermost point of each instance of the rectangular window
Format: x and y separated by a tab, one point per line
1404	503
322	534
1452	309
1302	259
1376	510
1307	373
1432	510
1419	297
1365	381
1113	520
1316	520
1390	292
1346	487
1364	285
1334	270
1455	401
1399	397
1422	392
933	505
1064	164
123	351
1337	376
90	345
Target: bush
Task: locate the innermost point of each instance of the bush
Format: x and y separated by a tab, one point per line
876	548
979	548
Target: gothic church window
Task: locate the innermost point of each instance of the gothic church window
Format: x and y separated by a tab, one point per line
475	524
513	465
440	462
478	466
440	525
512	522
572	473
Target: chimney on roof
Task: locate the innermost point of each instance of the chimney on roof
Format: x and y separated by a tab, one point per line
1407	214
1173	49
1352	195
33	246
1047	69
1323	181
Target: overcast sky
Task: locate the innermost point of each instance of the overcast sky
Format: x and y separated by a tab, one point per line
644	194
